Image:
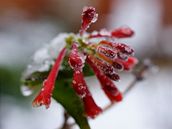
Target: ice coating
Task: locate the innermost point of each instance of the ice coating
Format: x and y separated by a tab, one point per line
26	91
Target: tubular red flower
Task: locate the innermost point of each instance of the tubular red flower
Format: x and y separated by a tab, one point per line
44	97
107	85
79	85
123	32
129	64
89	16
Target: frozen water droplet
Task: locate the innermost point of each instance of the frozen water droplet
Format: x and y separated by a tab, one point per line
26	91
95	18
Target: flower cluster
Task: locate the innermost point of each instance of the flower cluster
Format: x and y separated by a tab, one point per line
100	51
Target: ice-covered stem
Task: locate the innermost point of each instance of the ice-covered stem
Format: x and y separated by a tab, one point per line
44	97
89	16
107	85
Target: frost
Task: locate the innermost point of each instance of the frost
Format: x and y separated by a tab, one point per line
26	91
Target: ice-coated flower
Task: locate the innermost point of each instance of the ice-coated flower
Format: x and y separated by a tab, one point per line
99	50
44	97
89	16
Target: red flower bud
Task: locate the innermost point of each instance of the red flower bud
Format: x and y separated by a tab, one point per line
124	48
123	32
129	64
80	86
44	97
89	16
76	60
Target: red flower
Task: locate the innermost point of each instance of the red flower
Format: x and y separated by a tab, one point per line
44	97
106	58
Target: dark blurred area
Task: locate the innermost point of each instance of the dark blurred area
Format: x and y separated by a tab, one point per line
25	25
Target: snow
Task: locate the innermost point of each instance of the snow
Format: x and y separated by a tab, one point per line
45	56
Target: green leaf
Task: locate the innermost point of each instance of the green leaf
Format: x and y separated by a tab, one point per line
66	96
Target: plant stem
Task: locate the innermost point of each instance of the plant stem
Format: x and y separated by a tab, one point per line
65	124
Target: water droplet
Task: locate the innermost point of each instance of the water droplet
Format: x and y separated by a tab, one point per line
26	90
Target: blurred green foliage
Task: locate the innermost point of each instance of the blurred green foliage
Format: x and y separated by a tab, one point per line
10	81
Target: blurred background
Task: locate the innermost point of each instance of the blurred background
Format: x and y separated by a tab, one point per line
25	25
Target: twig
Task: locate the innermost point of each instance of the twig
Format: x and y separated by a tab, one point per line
65	124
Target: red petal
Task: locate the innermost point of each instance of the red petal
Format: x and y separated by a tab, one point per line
89	16
123	32
81	89
44	97
107	85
